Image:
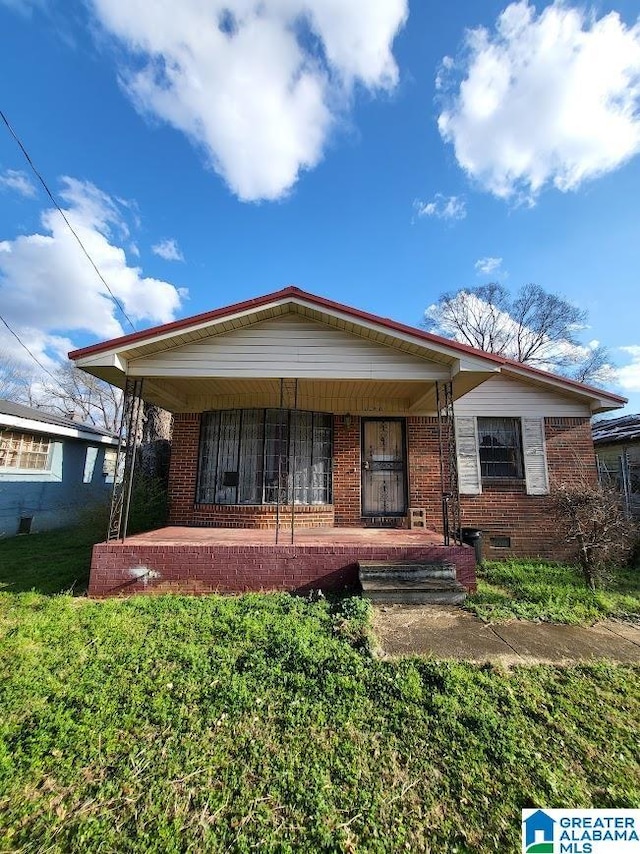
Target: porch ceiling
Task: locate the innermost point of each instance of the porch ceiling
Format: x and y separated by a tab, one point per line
358	397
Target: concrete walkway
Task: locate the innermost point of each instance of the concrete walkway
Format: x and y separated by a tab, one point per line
448	632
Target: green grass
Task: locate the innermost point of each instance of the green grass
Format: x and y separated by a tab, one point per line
530	590
262	723
50	562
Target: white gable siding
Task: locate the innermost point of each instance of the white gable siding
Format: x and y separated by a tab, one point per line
288	347
500	396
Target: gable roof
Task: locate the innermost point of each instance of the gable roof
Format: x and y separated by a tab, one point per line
17	415
292	294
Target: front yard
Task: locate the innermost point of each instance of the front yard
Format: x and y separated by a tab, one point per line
263	723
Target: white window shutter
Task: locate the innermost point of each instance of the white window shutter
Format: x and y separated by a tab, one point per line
535	456
469	480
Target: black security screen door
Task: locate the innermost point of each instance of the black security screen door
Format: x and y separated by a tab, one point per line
384	469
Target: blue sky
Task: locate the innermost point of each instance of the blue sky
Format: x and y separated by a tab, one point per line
371	151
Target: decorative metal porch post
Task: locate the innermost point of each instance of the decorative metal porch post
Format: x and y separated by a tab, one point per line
130	421
451	520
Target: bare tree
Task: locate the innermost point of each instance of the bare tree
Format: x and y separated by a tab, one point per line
82	397
15	379
534	327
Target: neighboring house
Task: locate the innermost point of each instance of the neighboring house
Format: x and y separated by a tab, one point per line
617	445
50	468
294	401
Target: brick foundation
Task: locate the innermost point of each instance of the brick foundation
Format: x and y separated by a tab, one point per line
201	568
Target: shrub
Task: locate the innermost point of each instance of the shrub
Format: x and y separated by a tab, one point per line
594	523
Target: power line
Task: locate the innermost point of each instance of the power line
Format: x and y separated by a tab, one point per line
64	217
22	344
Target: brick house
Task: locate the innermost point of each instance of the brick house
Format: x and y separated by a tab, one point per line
294	413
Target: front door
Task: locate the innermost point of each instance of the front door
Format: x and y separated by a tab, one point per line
384	468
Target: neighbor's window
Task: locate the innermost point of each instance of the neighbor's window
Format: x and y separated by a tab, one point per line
265	456
24	451
500	446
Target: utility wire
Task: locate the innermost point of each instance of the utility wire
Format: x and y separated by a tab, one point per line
64	217
22	344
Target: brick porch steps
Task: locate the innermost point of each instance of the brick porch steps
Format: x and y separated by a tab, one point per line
410	582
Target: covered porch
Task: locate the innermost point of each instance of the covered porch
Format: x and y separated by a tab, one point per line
224	560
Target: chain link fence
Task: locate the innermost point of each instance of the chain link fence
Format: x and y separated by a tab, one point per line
623	474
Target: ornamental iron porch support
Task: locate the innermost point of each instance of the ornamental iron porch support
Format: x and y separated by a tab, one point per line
130	424
287	461
448	464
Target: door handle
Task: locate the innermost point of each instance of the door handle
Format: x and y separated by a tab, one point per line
366	465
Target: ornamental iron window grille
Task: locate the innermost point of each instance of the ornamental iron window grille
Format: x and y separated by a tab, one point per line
265	456
500	448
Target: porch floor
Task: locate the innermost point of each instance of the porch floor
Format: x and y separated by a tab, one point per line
302	537
233	560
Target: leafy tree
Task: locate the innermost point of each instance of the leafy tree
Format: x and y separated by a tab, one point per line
534	327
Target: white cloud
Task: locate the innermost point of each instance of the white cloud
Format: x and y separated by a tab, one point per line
257	84
48	289
547	99
168	249
442	207
488	265
15	179
629	375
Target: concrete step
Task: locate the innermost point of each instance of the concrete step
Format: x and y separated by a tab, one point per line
405	570
398	584
416	597
410	582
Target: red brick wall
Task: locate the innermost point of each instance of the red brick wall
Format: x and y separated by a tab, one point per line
183	474
183	468
196	568
507	511
424	468
500	511
262	516
346	471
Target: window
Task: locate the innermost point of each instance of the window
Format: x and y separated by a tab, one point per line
265	456
500	448
24	451
109	465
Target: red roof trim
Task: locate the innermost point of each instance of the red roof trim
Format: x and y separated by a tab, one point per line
323	302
